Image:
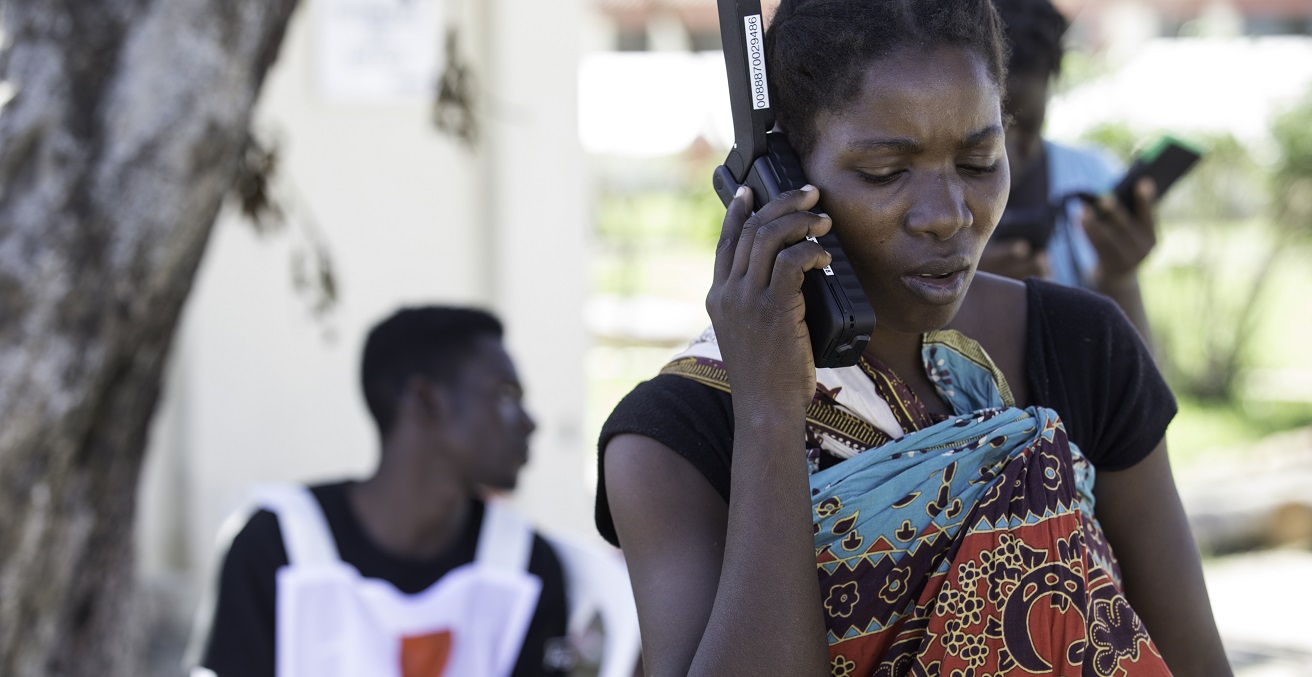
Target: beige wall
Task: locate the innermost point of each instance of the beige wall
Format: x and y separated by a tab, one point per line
257	393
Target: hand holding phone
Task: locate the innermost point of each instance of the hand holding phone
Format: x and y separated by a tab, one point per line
1164	162
755	299
1121	225
839	318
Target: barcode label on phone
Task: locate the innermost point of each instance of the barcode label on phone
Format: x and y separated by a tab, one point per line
755	39
828	270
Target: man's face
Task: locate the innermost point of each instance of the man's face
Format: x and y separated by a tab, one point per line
1026	107
489	428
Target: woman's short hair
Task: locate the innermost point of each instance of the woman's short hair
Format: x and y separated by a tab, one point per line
818	50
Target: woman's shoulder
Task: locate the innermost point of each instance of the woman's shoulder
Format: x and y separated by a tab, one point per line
692	419
1065	314
1090	364
653	403
1000	311
1025	325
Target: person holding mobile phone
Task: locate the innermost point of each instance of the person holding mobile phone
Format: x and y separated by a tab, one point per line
1098	245
987	491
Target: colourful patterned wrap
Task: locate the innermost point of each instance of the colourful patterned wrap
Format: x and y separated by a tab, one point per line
965	548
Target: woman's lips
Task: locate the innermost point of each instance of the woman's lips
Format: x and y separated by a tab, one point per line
937	288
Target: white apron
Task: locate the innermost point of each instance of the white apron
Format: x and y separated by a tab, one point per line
331	621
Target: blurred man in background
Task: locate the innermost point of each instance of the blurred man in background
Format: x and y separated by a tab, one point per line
1046	231
411	571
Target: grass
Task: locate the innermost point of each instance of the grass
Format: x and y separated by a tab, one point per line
1203	430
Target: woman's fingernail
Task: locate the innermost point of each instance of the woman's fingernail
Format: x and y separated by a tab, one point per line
808	188
739	193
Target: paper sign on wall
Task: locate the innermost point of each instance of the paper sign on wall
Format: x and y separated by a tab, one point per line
379	51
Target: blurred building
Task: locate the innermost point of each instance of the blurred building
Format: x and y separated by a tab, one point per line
641	25
653	83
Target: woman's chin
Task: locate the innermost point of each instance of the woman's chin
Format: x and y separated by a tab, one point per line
923	319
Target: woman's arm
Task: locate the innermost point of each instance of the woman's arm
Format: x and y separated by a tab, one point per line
1145	523
750	606
732	590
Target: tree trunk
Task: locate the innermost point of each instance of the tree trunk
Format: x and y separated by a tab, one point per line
117	147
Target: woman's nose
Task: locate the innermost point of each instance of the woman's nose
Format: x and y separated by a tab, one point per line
940	206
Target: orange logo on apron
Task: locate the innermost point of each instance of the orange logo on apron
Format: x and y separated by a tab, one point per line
425	655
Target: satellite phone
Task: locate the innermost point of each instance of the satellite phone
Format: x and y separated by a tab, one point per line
838	315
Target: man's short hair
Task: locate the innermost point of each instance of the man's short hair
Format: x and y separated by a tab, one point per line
1034	29
431	341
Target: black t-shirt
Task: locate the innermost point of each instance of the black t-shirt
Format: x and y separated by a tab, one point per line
1083	359
242	638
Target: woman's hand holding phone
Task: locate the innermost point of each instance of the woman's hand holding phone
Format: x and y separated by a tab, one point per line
756	304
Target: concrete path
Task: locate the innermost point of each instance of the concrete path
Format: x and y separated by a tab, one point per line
1263	607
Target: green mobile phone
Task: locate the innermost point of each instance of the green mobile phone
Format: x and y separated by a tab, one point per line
1164	162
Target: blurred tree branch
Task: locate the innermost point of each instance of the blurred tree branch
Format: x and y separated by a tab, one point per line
1293	175
270	212
457	92
123	135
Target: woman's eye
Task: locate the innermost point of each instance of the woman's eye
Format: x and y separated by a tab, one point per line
980	170
878	179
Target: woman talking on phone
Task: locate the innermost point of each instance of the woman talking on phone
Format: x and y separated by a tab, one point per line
987	492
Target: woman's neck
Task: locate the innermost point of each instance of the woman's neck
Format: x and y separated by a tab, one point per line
900	352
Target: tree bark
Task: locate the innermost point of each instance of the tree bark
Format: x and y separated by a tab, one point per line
117	147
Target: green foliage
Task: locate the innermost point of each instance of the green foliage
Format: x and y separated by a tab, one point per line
658	218
1079	67
1223	248
659	239
1203	428
1225	288
682	212
1227	187
1292	178
1210	286
1115	137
